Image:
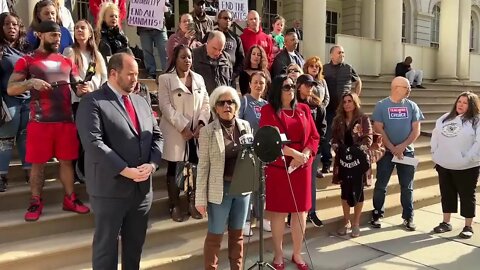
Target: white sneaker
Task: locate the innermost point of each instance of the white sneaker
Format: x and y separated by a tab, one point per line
266	225
247	230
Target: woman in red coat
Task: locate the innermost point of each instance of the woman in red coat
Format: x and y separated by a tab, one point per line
289	193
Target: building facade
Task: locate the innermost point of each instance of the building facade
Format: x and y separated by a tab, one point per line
441	36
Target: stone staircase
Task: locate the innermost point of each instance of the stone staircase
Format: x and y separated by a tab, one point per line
62	240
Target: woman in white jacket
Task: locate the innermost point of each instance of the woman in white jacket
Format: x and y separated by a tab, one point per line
183	101
456	152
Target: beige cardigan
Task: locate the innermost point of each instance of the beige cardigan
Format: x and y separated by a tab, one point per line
211	163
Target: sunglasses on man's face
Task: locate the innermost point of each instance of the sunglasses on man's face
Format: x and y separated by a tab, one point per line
288	87
229	102
293	71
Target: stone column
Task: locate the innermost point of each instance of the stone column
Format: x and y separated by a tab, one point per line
391	52
176	13
314	21
463	53
378	18
448	41
368	19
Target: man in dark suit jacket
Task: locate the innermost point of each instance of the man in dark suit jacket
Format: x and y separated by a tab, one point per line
122	149
296	29
287	56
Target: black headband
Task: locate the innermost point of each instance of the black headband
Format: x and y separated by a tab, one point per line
48	26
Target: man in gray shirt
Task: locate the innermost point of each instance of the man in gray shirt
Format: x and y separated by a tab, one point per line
340	78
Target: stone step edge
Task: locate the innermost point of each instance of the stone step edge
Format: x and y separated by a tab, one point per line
323	197
54	185
163	230
180	258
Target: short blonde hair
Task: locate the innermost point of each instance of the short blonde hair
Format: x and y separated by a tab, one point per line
220	91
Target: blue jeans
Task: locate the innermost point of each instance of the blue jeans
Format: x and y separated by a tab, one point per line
326	146
315	164
232	211
15	129
147	39
405	176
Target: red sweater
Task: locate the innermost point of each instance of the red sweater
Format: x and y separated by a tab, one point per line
250	38
95	8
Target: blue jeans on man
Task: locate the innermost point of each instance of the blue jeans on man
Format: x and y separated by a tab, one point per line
405	175
149	38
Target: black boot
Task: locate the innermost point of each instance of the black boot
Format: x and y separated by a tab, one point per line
191	204
3	182
174	200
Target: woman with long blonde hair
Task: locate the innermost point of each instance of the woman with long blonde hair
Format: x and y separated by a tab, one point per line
83	53
109	36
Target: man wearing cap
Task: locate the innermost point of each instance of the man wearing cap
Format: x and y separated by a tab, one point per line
51	131
203	23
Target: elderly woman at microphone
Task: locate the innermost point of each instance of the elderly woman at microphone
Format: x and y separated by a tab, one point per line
219	145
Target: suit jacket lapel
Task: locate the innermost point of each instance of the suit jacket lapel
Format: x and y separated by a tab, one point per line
138	110
219	135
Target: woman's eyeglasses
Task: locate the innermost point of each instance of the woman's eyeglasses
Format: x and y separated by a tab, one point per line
223	102
293	71
288	87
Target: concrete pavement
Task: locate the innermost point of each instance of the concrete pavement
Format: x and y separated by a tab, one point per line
390	247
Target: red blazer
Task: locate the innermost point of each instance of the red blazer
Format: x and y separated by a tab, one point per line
311	138
95	8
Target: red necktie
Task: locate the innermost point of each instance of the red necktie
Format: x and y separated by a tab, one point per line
131	112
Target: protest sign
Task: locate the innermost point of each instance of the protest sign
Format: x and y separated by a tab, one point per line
238	8
146	13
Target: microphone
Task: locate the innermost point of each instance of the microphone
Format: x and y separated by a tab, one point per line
90	72
88	77
246	144
246	139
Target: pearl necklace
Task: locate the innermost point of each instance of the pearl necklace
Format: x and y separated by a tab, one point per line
293	114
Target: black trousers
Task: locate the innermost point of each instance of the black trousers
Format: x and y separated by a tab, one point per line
454	183
124	217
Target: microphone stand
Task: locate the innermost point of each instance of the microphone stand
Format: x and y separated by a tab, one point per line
261	194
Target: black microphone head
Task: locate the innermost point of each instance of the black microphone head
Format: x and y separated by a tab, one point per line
267	144
90	72
243	132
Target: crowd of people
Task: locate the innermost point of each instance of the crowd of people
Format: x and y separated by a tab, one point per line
215	87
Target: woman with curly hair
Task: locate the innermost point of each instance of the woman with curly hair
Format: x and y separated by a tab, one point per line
351	129
110	38
255	60
12	47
